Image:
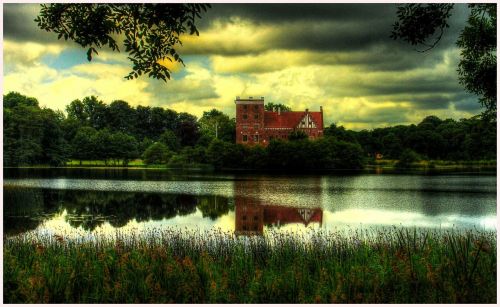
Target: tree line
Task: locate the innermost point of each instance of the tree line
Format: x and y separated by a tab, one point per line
431	139
118	133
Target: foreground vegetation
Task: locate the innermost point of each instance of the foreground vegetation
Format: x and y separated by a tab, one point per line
376	266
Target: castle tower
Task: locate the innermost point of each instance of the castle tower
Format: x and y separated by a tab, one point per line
250	120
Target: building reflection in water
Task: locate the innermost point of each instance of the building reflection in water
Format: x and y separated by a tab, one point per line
252	214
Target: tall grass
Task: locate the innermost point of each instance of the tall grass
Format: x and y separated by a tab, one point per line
170	266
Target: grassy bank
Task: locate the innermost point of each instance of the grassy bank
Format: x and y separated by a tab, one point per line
384	164
436	164
386	266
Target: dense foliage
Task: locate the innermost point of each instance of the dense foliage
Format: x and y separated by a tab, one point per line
149	31
119	133
169	266
424	24
433	138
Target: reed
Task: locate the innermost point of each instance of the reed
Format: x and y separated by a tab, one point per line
392	265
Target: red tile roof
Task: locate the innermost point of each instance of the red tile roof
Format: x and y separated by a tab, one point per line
288	215
289	119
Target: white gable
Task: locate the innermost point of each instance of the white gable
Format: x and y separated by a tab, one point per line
306	214
307	122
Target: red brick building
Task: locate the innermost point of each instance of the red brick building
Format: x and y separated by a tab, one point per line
251	216
254	125
252	213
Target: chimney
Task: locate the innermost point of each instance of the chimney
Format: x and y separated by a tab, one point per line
279	110
321	109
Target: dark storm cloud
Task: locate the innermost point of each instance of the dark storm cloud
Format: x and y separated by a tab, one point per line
412	87
276	13
468	103
318	27
383	58
19	24
391	116
327	27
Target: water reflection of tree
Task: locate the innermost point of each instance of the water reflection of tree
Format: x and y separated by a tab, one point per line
91	209
24	208
214	206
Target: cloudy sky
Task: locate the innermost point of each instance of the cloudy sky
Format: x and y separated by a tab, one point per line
338	56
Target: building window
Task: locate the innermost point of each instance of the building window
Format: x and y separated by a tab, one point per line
245	138
245	127
256	126
256	116
245	116
256	138
256	107
245	107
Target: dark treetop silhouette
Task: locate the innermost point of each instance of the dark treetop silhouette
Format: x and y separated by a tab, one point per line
424	24
151	30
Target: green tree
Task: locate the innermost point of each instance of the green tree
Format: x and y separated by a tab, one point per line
142	122
23	130
341	154
224	154
255	157
13	99
96	112
340	133
124	147
187	129
157	153
82	145
151	32
274	106
32	135
56	149
406	159
76	111
170	140
121	117
424	25
392	145
88	112
214	124
478	63
161	120
103	145
69	127
145	143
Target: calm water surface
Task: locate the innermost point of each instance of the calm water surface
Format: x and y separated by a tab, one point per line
84	202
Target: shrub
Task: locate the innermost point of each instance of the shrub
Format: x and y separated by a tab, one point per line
157	153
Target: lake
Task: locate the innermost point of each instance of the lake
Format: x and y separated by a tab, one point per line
84	202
